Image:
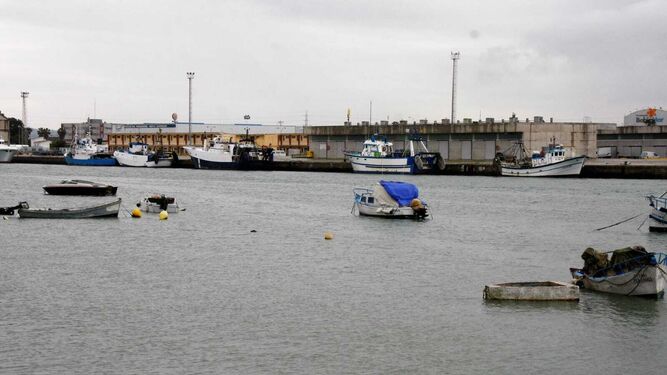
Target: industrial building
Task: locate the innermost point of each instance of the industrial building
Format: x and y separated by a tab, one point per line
4	127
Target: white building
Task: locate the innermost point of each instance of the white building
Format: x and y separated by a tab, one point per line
40	144
637	118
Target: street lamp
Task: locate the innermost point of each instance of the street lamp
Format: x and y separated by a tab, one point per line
190	76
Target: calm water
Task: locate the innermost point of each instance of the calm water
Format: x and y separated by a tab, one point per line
200	293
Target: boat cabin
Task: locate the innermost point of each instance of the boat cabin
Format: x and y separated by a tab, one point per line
377	148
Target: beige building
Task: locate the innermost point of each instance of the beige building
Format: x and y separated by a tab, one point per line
4	127
174	136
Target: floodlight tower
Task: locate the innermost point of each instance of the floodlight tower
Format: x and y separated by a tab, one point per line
455	58
24	96
190	76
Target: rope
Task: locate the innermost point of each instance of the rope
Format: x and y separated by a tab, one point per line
620	222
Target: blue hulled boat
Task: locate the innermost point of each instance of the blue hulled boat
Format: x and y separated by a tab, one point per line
85	152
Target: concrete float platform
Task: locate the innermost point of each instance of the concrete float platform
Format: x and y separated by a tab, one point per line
532	291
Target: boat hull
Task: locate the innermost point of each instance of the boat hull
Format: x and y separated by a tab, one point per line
648	281
95	161
422	163
80	190
127	159
6	155
199	163
386	212
160	163
657	221
102	211
568	167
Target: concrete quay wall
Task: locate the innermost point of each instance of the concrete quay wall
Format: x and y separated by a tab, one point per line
459	141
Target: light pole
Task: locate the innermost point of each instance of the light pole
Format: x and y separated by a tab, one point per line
455	57
190	76
22	135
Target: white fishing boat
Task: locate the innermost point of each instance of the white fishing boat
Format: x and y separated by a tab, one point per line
551	161
658	215
222	154
156	203
7	152
378	156
138	155
631	271
390	199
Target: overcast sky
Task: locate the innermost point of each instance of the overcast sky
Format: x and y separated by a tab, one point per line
125	61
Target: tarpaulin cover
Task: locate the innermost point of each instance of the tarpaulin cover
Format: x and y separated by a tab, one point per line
402	192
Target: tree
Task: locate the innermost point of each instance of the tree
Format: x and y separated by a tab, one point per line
16	131
44	133
61	133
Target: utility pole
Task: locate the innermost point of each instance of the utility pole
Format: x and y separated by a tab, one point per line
306	120
455	58
22	137
190	76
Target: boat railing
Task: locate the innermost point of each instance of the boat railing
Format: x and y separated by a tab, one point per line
361	192
657	202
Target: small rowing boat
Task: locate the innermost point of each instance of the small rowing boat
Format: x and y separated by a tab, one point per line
99	211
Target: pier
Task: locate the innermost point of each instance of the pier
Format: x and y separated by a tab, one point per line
593	168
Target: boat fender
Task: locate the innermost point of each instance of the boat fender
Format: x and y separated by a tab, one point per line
136	213
164	215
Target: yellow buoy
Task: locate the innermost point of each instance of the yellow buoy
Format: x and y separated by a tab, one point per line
164	215
136	212
328	236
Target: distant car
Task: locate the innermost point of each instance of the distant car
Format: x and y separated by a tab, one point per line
649	155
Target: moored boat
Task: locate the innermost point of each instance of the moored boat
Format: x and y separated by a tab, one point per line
80	187
658	215
157	203
390	199
138	155
85	152
551	161
99	211
631	271
7	152
221	154
378	156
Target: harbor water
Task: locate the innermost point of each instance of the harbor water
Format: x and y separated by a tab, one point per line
243	282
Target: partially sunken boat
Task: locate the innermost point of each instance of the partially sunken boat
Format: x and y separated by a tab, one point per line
390	199
80	187
631	271
532	291
99	211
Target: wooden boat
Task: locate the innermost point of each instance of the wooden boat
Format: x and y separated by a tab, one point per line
80	187
100	211
533	291
631	271
390	199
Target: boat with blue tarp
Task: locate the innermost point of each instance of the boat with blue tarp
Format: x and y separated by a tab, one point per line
390	199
